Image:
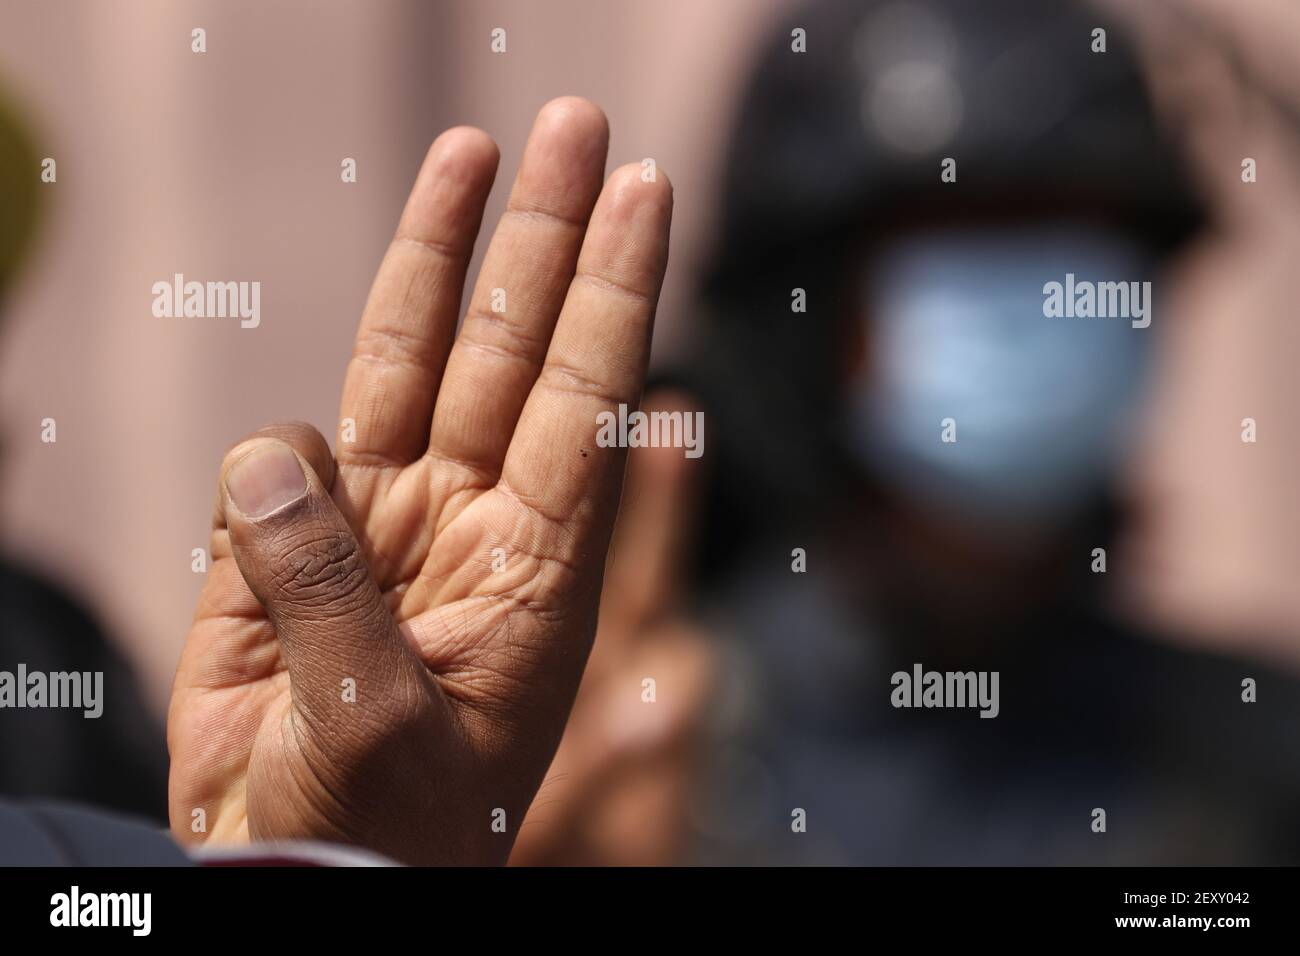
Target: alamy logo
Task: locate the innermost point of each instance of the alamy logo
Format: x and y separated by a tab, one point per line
75	908
209	300
82	690
638	429
922	688
1100	300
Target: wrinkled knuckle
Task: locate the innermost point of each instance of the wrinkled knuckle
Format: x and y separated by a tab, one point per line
323	570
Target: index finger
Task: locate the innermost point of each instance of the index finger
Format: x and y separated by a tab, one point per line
411	313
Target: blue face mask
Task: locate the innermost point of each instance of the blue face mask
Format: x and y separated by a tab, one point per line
1041	405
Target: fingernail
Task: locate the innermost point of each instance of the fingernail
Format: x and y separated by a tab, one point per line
268	477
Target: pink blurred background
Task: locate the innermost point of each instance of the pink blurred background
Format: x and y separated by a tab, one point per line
226	166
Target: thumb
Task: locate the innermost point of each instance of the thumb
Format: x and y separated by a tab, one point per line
304	564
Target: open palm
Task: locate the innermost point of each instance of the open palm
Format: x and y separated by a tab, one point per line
388	643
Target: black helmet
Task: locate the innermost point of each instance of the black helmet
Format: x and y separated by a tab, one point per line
851	134
845	143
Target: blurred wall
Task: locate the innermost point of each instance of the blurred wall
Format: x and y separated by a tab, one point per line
1215	558
226	166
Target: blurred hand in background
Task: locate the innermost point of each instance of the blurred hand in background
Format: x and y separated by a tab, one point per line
619	789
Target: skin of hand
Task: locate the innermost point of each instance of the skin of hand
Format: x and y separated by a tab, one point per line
389	640
618	791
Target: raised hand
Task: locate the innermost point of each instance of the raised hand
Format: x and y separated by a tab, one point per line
386	651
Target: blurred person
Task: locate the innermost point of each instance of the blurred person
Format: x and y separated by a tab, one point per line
116	759
927	303
925	319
